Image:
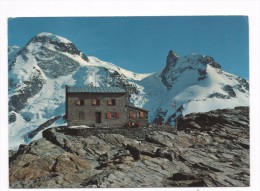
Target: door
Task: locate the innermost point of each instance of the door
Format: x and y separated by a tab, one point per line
98	117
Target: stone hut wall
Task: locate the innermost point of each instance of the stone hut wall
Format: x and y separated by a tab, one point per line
90	110
138	120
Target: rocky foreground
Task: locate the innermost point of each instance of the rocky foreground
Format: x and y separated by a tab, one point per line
208	149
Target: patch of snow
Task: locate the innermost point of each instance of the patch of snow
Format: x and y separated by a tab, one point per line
80	127
54	37
139	99
93	61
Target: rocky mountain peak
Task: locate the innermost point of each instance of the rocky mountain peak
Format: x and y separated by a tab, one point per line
46	56
51	42
176	65
171	61
171	58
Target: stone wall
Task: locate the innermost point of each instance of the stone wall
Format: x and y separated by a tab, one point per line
138	120
133	133
89	110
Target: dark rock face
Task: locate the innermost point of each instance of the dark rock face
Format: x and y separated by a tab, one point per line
214	152
243	83
113	78
159	118
171	60
219	95
210	61
215	65
11	117
55	64
214	120
229	90
202	74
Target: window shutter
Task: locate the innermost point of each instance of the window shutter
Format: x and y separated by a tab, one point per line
141	114
108	115
117	115
131	115
111	102
77	102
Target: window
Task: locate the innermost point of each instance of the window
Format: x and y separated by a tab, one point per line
95	102
141	114
81	115
111	102
108	115
117	115
98	117
131	115
113	115
137	114
79	102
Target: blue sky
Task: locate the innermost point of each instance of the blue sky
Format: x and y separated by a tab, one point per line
141	44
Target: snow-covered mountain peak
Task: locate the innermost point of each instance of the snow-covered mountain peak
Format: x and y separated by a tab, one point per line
171	60
172	57
53	37
54	44
194	64
194	83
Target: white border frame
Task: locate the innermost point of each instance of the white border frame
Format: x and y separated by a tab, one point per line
77	8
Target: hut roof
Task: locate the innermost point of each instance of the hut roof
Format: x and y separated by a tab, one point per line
90	89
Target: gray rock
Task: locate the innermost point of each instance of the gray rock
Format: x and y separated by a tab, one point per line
171	60
229	90
202	157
